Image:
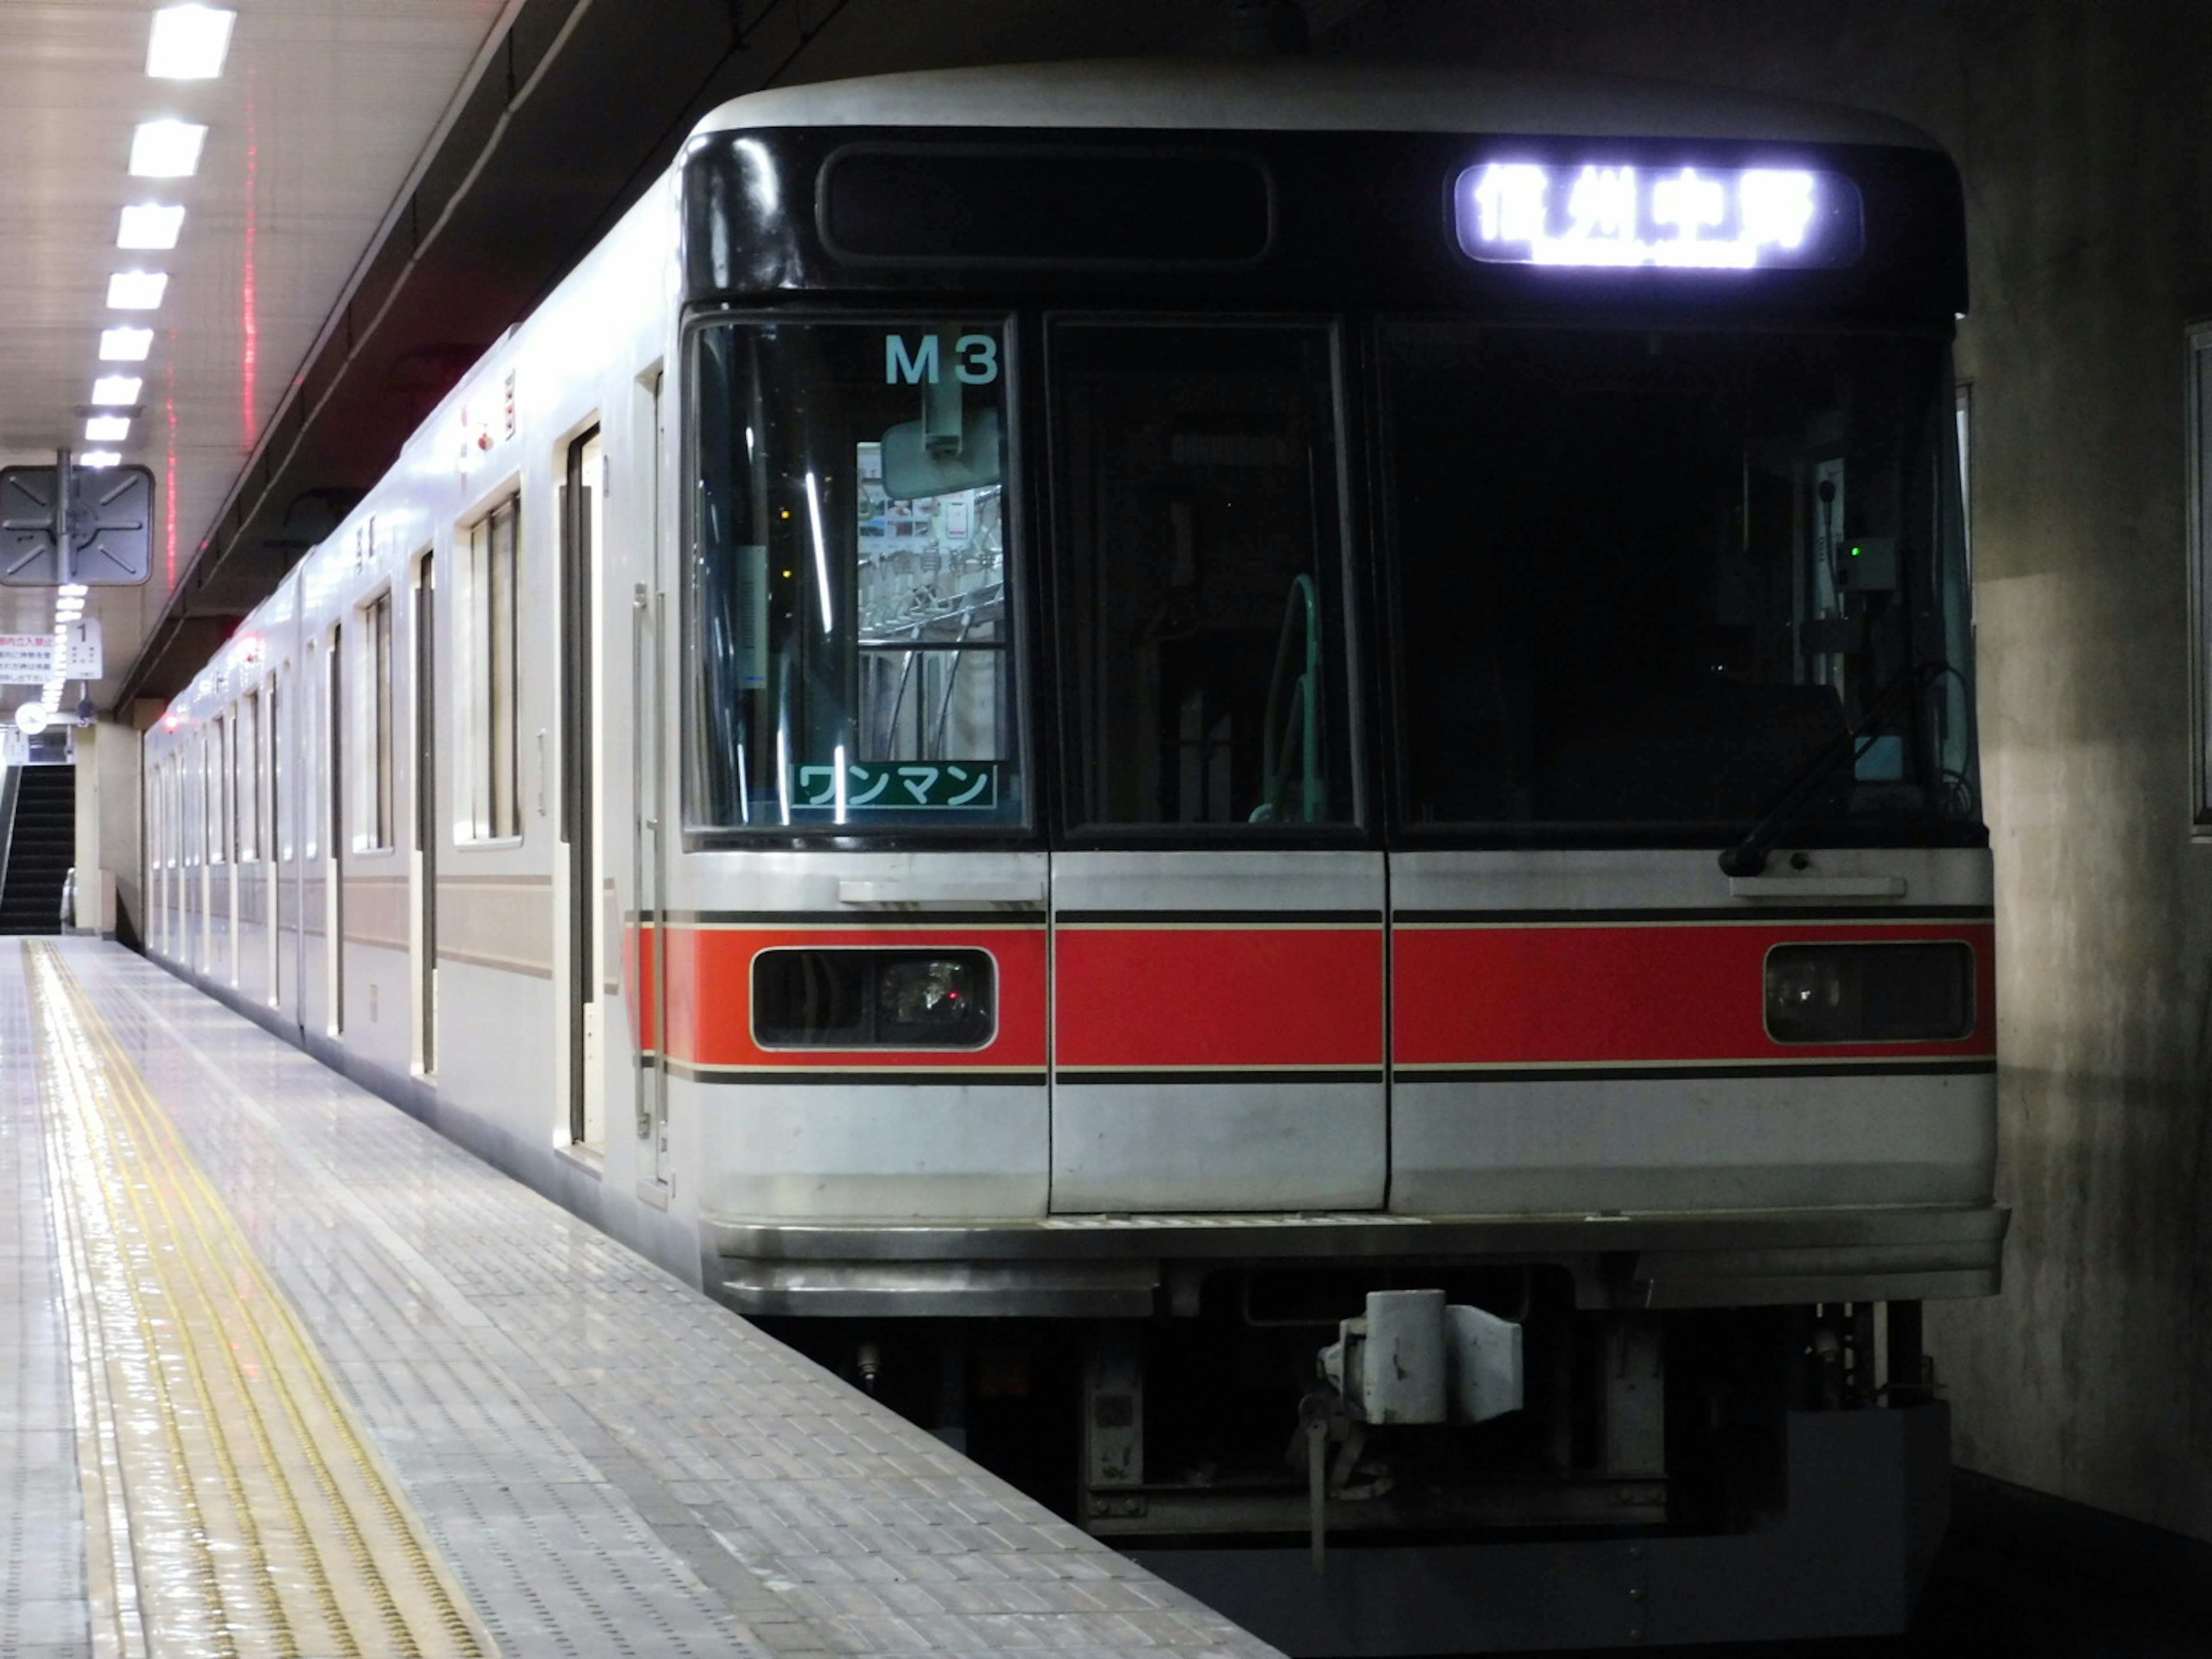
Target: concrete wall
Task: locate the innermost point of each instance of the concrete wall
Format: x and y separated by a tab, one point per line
2085	136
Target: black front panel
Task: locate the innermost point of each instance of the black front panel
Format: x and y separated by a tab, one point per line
965	205
1336	219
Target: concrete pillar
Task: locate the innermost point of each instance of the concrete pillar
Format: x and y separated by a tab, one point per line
109	832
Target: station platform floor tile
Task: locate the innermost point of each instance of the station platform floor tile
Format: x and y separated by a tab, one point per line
564	1450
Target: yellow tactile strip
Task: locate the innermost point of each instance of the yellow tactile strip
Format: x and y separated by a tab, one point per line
234	1505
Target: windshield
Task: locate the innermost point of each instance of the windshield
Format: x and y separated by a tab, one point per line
1650	579
849	627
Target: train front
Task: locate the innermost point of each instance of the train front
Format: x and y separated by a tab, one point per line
1330	899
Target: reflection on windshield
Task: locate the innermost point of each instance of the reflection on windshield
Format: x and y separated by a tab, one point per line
1652	578
847	606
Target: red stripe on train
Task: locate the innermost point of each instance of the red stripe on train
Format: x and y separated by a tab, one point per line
1142	999
709	996
1546	995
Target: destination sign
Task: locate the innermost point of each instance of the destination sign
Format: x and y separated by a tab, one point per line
1684	218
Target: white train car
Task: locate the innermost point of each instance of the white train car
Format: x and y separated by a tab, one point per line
1110	740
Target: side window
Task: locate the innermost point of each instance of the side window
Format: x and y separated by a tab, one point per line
490	806
280	825
2199	396
1202	593
220	785
376	833
247	769
848	634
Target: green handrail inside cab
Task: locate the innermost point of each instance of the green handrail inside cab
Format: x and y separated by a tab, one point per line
1292	701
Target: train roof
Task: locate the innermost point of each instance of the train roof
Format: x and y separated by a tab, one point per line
1307	94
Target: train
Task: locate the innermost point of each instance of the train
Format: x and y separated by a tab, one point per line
1255	781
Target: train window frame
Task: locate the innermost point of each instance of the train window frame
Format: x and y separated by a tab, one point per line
374	621
279	705
699	833
486	652
216	763
1361	825
2196	400
1936	631
246	765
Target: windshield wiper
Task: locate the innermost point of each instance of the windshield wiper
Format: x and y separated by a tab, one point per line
1748	856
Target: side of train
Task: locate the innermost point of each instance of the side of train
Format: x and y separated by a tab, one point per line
1256	782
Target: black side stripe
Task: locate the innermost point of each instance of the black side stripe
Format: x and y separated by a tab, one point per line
1751	911
1980	1067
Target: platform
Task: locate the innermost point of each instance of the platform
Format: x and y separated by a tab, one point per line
288	1373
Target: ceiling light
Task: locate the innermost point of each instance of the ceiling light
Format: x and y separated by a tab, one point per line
72	590
136	290
125	345
68	611
166	149
188	43
107	428
94	459
150	224
116	389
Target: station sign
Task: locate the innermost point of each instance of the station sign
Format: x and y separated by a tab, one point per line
33	659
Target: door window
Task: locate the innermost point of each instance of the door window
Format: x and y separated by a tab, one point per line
1201	590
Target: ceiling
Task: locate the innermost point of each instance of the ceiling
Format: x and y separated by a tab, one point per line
384	186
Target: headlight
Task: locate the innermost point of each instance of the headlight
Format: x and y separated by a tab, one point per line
1870	993
925	991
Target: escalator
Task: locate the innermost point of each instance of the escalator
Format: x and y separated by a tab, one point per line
41	845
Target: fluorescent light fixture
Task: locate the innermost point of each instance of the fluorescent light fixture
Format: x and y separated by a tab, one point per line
107	428
125	345
149	225
136	290
166	149
188	43
94	459
72	591
115	389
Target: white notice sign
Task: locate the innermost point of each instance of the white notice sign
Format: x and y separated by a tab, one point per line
30	659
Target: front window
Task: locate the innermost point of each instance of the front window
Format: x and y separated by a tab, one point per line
1649	578
849	632
1207	686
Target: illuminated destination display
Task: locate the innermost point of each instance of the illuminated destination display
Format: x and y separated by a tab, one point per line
1527	213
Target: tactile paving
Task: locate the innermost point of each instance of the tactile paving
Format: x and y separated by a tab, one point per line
614	1464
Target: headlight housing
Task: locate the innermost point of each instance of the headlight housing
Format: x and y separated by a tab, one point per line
1912	992
872	999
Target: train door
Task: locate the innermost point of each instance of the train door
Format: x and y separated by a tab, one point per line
1217	948
423	863
582	492
648	779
